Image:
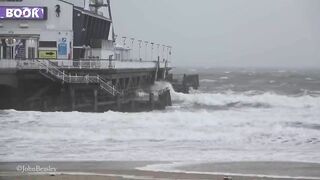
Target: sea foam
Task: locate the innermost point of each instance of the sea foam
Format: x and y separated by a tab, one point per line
282	131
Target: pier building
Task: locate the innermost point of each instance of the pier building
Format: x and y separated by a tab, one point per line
59	55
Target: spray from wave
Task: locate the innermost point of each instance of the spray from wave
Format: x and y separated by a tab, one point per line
248	126
232	99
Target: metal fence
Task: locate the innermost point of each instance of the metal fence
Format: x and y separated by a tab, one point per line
81	64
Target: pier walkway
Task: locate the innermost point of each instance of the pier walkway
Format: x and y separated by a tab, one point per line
55	70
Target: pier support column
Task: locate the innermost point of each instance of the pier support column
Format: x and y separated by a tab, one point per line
123	83
139	79
129	85
133	106
151	101
73	98
61	98
118	103
95	100
45	105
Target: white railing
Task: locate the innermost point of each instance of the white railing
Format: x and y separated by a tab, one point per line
52	69
107	86
81	64
65	64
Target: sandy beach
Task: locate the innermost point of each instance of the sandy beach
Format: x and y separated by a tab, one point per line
128	170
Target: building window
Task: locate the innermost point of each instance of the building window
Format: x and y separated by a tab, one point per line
52	44
8	53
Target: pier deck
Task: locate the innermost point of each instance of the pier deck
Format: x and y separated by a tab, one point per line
61	85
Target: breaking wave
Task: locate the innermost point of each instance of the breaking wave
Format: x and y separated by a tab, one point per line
208	80
226	126
252	99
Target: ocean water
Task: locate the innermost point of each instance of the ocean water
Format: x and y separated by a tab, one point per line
236	115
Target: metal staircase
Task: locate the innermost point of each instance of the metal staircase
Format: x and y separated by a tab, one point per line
52	71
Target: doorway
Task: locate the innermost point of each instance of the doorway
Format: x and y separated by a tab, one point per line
7	48
20	48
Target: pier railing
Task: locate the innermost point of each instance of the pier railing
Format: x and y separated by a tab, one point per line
81	64
55	69
107	86
52	71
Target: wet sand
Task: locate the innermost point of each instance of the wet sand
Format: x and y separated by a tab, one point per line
127	170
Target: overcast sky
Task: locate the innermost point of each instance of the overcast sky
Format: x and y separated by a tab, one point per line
215	33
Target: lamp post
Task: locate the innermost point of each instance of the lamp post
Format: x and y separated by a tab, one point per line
124	55
132	41
132	50
124	41
169	48
158	46
152	43
163	56
140	42
146	43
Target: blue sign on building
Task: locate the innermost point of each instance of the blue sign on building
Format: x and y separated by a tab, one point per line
62	49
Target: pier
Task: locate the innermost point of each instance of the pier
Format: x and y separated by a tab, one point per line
94	86
68	58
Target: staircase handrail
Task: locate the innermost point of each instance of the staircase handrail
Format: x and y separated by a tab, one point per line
54	70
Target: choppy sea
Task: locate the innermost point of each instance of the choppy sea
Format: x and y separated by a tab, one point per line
236	115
